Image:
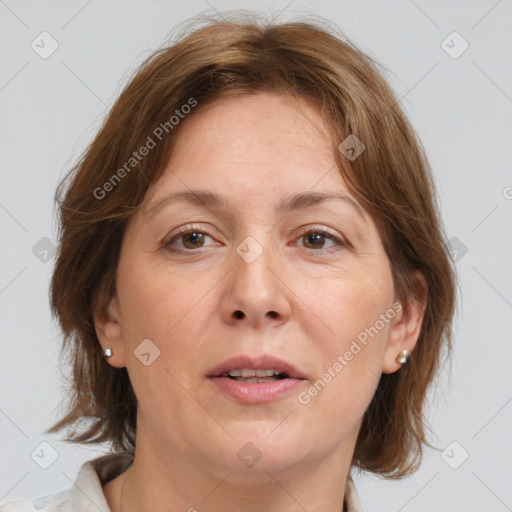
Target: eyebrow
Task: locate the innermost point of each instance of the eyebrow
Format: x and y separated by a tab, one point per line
210	200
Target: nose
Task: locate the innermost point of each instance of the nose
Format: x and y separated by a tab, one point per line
255	292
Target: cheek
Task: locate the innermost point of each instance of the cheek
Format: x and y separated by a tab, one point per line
352	308
171	311
359	316
342	390
170	308
153	300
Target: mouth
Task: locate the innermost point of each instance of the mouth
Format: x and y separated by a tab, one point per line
251	376
251	369
255	380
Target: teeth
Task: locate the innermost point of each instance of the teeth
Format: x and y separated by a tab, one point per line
248	372
256	380
265	373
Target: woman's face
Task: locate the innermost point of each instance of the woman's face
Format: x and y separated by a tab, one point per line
268	269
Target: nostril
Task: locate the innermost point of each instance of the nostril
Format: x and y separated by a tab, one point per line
273	314
239	314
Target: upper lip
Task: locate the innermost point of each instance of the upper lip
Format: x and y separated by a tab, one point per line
263	362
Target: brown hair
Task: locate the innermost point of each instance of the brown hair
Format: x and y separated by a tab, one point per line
391	178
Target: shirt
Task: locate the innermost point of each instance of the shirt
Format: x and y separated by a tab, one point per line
87	495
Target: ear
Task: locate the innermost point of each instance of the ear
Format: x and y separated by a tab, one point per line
406	325
109	331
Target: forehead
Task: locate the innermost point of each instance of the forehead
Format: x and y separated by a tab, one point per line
259	144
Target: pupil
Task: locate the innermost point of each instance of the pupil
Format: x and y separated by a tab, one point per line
196	237
191	239
316	238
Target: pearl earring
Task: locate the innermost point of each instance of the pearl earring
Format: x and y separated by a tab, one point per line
403	357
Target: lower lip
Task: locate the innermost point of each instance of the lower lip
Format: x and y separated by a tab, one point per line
256	393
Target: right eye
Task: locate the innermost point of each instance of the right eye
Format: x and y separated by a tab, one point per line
190	238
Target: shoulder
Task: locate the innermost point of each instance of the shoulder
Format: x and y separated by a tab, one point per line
45	503
17	506
86	495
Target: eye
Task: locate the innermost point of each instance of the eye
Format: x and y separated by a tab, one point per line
315	239
188	239
191	238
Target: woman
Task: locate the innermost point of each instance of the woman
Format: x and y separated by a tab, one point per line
252	280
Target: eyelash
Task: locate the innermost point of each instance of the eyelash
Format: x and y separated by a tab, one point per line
197	229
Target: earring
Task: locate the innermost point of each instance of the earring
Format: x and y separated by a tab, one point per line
403	357
107	352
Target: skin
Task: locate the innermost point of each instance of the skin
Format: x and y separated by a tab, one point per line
255	150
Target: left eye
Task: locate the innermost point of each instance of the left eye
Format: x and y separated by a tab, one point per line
315	239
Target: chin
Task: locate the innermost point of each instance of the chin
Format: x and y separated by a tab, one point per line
254	451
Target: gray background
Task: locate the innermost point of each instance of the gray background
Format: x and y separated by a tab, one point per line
461	107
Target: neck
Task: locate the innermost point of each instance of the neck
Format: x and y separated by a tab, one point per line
181	483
